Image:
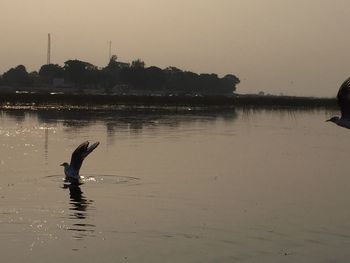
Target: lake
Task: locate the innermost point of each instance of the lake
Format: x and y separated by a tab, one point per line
187	186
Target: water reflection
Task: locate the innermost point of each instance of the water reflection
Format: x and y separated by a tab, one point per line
79	205
46	144
135	118
133	121
197	164
78	202
17	115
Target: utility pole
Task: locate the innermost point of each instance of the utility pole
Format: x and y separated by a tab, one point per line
110	50
48	49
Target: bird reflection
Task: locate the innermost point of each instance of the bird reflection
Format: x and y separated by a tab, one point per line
79	205
78	202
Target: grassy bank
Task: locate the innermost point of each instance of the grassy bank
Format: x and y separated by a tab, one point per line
66	100
284	101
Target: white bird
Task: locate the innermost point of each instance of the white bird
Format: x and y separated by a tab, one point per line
343	98
72	170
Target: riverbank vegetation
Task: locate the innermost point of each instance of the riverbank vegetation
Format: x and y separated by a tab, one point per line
113	101
117	78
81	84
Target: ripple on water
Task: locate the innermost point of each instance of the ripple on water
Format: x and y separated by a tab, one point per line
97	179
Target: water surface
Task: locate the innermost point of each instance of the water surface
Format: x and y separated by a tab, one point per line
191	186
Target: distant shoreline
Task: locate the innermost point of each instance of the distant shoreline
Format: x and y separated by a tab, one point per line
109	101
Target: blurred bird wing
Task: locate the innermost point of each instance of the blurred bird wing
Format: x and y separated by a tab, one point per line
80	153
344	99
91	148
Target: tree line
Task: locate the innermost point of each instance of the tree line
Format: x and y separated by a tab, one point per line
121	76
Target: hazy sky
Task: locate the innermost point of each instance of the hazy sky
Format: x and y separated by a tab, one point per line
296	47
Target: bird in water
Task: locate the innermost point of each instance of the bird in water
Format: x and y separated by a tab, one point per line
343	98
72	170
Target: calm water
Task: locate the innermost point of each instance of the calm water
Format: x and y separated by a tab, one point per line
236	186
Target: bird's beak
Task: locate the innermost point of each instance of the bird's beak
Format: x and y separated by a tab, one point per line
328	120
62	164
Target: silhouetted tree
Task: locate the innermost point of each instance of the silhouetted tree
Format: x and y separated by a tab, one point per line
154	78
34	78
149	80
230	82
135	74
173	79
113	63
111	73
80	73
18	77
172	70
137	64
134	77
49	72
209	83
191	83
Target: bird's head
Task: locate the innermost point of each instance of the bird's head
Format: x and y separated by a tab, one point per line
334	119
64	164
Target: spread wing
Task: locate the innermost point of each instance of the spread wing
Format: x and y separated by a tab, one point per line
344	99
80	153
